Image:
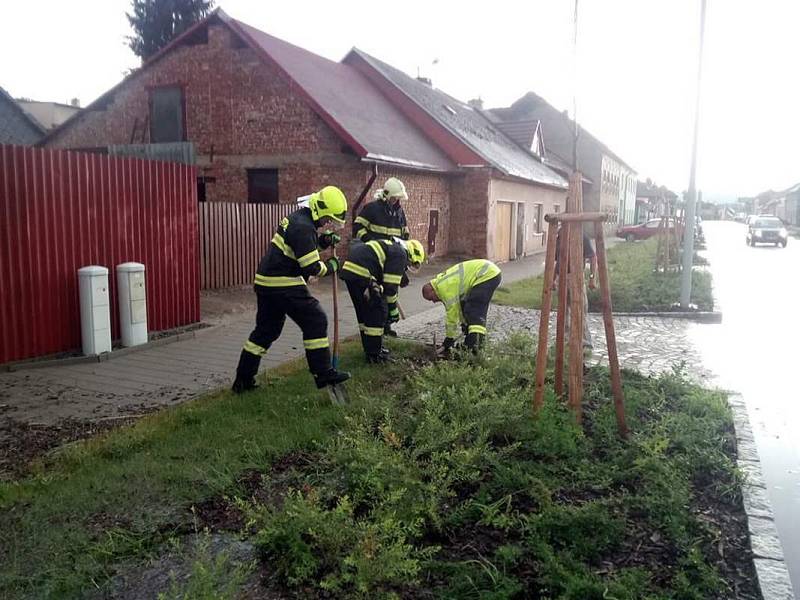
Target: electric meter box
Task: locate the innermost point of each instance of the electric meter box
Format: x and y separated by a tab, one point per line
95	309
132	303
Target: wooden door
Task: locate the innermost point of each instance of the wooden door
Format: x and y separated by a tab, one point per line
433	229
502	231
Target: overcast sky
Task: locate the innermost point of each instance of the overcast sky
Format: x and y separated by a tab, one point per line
636	67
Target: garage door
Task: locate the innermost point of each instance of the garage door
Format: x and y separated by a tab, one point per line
502	232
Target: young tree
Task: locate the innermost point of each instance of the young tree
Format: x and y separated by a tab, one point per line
157	22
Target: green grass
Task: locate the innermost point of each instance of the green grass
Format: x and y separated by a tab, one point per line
635	287
454	489
123	494
435	481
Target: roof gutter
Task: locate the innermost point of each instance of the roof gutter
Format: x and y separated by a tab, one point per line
380	159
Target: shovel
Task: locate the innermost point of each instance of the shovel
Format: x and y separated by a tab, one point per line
337	391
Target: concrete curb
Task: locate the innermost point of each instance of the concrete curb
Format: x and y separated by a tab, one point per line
773	574
93	358
701	317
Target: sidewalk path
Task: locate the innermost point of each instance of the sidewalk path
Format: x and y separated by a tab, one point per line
166	375
648	344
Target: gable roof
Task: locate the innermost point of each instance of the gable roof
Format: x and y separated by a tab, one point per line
349	103
358	113
17	126
467	124
523	132
533	106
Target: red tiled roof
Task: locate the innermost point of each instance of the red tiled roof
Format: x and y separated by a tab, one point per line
349	103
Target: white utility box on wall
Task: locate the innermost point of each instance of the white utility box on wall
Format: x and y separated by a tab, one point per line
132	304
95	310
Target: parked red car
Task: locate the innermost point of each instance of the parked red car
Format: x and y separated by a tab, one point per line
643	231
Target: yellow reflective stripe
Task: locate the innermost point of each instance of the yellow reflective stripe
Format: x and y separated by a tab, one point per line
278	281
373	331
389	278
316	343
394	312
309	258
323	269
254	348
379	228
378	250
278	240
357	269
361	233
477	329
393	231
392	299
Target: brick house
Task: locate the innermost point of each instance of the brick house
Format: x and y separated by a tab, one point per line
616	191
17	126
269	122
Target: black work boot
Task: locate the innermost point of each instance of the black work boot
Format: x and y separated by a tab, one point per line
387	330
240	386
331	377
377	359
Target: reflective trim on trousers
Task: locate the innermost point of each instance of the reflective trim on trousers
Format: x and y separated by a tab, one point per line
316	343
254	348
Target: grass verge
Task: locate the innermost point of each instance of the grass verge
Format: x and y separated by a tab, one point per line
434	482
123	494
635	287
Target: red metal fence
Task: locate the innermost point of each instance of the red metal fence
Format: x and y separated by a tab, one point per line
233	238
60	211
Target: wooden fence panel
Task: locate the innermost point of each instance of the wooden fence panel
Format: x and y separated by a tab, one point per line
233	238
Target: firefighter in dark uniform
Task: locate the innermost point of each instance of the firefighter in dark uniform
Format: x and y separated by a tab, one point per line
280	284
384	219
373	271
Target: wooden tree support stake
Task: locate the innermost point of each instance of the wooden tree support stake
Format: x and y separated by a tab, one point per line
611	337
544	316
571	282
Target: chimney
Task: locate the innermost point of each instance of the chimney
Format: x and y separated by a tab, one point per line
476	103
426	81
75	102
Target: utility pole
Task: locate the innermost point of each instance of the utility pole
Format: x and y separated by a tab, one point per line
689	212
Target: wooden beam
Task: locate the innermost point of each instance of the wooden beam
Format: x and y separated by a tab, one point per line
578	216
611	338
544	317
561	317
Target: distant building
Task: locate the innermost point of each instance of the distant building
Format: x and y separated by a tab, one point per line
49	114
17	126
653	201
613	181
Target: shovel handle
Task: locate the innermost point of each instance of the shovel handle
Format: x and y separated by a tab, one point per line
335	360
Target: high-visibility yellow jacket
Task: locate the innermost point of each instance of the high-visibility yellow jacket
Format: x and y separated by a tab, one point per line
455	283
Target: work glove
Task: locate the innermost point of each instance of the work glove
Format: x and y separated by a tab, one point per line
404	280
328	239
373	292
449	343
332	264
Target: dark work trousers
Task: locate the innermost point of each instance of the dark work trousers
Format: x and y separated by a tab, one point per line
371	315
474	307
274	304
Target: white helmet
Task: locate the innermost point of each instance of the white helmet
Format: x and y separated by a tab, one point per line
394	188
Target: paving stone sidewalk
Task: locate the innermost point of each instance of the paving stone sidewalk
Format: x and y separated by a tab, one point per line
648	344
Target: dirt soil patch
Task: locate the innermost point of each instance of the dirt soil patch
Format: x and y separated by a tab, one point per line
23	443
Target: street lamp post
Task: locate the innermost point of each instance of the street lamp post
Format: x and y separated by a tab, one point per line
689	226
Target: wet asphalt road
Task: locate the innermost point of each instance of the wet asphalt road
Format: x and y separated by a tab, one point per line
756	351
